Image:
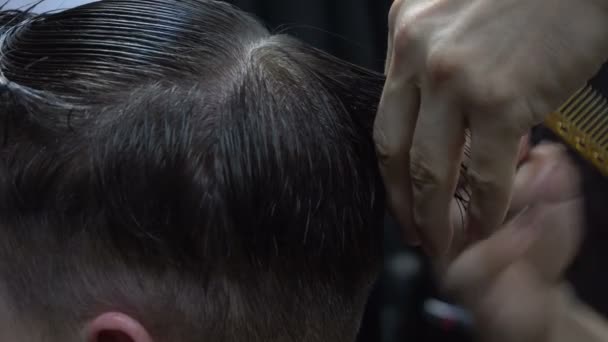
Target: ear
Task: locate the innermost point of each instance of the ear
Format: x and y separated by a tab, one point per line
116	327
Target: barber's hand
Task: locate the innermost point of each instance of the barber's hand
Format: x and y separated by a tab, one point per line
512	282
493	67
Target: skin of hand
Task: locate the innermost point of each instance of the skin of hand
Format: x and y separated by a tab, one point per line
512	281
493	67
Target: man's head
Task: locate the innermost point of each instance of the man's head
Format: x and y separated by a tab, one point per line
171	171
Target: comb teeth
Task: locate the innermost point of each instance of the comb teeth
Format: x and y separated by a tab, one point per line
582	122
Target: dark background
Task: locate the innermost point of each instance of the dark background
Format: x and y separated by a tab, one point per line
354	30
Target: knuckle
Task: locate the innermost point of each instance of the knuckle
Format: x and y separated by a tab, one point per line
483	183
393	14
513	114
500	95
488	93
402	40
406	30
425	178
385	150
443	66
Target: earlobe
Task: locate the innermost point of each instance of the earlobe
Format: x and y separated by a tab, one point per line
116	327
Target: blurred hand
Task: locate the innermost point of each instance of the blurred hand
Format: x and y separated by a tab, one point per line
493	67
512	281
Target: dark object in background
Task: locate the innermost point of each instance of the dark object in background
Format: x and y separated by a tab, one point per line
354	30
409	308
404	287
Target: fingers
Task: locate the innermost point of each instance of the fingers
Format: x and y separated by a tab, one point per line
434	169
517	306
547	175
392	18
545	237
393	133
477	266
494	154
562	227
396	121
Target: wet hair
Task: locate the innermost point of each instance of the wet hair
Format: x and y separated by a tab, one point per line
174	160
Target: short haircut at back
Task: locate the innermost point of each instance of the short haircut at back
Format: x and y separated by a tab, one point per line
174	160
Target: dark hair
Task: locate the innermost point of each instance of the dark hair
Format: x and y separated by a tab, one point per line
174	160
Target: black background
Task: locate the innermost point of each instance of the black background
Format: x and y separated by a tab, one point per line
354	30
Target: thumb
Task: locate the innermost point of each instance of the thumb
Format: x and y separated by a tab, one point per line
478	266
546	237
558	243
547	175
